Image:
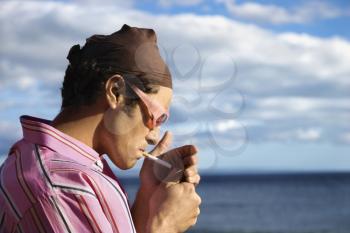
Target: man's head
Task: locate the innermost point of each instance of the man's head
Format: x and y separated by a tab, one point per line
111	73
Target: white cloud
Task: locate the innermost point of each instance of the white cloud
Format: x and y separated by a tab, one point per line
227	125
120	3
345	137
10	130
307	135
303	104
307	12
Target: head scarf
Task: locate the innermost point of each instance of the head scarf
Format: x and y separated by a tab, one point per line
129	51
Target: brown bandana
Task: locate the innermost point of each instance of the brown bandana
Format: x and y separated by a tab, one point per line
130	50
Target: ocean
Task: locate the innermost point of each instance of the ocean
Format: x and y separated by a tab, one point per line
271	203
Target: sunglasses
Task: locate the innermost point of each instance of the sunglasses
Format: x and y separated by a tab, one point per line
156	112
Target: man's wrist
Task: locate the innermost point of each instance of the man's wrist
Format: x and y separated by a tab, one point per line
139	211
145	190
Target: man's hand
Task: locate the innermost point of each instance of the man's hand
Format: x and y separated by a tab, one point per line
173	208
183	159
171	185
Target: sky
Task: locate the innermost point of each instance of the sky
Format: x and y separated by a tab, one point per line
259	86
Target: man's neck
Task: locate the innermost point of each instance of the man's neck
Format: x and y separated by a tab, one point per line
80	124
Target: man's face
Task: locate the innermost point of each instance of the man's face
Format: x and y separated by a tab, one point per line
125	134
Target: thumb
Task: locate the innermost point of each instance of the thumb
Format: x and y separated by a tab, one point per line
163	144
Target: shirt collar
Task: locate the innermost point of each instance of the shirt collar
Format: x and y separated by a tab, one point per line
40	131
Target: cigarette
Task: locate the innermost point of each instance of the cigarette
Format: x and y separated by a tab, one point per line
155	159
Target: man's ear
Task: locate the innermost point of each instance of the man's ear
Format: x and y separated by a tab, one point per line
114	89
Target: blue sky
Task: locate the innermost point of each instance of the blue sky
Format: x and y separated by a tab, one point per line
322	27
259	85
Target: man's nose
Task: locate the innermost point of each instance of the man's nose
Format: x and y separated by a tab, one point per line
153	136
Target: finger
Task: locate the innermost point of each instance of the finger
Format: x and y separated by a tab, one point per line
193	179
163	144
189	150
184	151
197	212
189	187
199	200
191	171
190	160
194	221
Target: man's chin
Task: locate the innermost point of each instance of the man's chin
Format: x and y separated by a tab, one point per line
128	165
125	165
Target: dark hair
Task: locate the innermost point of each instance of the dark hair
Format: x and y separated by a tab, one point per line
84	81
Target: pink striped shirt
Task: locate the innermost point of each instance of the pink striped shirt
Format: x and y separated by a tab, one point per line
51	182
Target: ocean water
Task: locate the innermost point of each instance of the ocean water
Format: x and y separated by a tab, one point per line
271	203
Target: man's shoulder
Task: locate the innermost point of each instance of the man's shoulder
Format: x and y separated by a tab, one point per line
66	173
46	170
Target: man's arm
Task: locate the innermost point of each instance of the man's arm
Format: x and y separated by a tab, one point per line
163	193
172	208
140	210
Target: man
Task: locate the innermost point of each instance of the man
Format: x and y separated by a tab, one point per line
116	94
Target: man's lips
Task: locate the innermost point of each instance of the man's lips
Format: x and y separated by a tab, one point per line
140	156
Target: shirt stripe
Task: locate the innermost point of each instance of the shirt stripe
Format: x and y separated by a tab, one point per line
37	221
106	207
21	180
60	213
58	137
7	197
63	187
124	201
100	196
88	214
27	191
2	219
